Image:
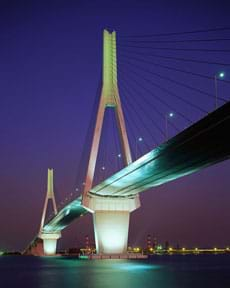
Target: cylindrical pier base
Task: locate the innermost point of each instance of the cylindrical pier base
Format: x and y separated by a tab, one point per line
111	222
50	243
111	231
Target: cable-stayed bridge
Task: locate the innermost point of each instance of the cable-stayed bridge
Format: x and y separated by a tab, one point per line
201	144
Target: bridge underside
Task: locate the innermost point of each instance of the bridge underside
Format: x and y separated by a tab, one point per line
201	145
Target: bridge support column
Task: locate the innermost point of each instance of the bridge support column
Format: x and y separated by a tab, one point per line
111	222
50	243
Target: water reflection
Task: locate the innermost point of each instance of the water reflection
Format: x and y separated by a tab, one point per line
141	267
160	272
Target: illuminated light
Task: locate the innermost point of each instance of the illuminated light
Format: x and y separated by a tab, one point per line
151	249
1	253
83	183
76	189
215	249
170	249
183	249
171	114
196	249
140	139
159	247
119	155
103	168
221	74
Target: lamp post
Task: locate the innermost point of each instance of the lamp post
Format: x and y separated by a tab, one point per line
167	116
139	139
216	77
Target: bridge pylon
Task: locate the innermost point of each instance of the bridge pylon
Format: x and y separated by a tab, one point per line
110	214
49	238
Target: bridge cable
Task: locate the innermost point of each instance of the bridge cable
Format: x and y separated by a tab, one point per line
158	98
177	41
154	106
179	84
138	129
176	49
148	103
176	58
130	104
139	104
178	33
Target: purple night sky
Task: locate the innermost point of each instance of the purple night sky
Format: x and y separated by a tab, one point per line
50	65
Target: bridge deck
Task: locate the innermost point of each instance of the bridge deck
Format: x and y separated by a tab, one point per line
201	145
65	216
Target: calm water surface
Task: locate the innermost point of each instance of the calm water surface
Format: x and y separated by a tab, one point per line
211	271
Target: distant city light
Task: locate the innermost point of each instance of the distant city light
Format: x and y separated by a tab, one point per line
119	155
140	139
171	114
136	249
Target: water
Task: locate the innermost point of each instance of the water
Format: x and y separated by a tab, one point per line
211	271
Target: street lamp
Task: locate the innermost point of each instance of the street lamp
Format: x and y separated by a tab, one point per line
139	139
167	116
220	75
